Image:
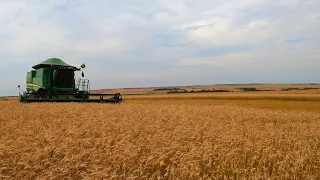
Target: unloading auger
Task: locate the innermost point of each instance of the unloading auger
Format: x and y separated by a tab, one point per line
54	81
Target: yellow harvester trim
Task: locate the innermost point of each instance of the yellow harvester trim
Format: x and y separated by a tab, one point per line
34	85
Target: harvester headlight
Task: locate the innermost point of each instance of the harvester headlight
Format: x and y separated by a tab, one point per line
83	66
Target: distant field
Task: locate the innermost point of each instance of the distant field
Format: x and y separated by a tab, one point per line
270	100
239	135
236	88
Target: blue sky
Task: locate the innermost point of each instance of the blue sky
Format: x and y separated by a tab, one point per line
163	42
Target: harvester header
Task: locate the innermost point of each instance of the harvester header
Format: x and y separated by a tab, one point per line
54	81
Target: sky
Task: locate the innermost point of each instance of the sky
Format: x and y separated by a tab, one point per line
141	43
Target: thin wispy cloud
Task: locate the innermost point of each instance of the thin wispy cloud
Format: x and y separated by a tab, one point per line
151	43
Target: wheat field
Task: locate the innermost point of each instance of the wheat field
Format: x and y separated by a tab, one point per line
173	138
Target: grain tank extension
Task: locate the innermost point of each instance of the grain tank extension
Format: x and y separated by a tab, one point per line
54	81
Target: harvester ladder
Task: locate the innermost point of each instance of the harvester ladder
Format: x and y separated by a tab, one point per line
83	85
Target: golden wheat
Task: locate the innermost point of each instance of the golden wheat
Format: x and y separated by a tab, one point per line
157	140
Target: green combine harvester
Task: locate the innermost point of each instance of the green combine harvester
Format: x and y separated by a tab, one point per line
54	81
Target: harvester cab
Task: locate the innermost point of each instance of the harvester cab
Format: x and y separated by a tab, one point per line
54	81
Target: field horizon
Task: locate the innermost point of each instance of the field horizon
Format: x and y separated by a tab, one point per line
232	87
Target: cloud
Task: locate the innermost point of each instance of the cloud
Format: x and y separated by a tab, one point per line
142	43
222	61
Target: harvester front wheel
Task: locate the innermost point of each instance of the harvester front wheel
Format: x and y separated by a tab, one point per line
42	94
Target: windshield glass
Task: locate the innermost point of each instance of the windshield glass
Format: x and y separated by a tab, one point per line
63	78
